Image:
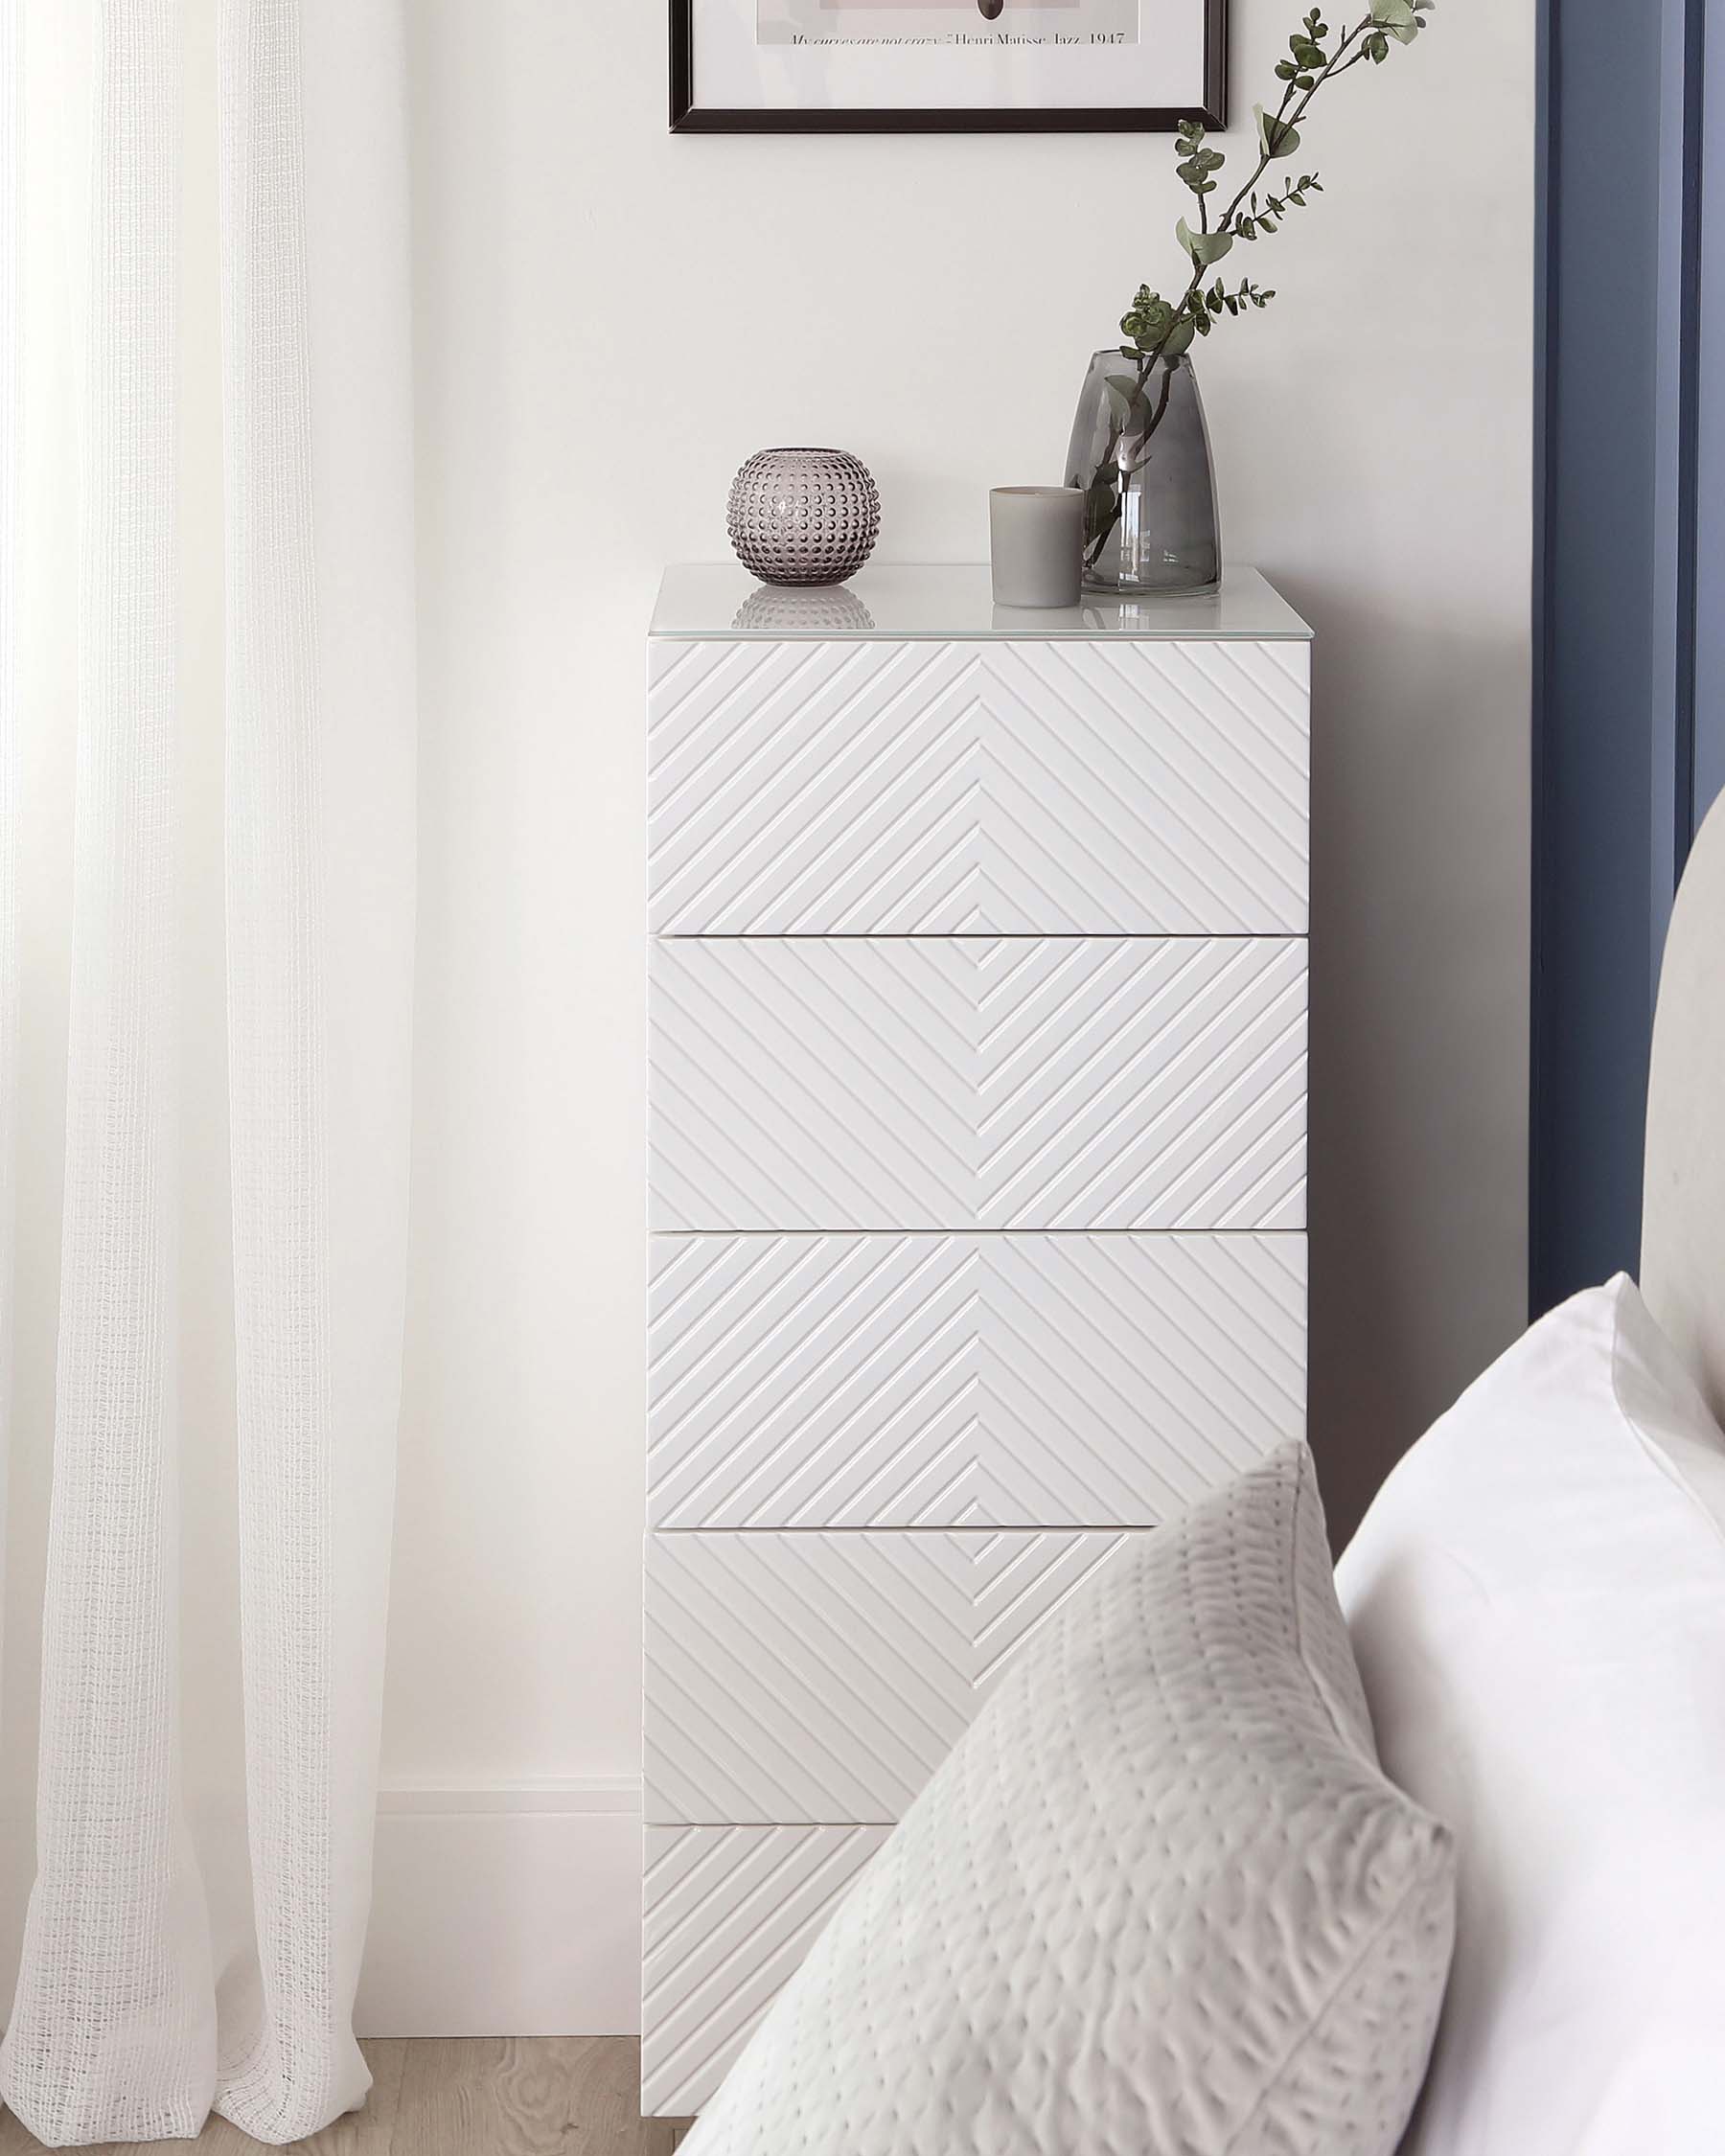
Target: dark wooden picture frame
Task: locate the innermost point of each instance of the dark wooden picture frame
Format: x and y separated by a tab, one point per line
687	118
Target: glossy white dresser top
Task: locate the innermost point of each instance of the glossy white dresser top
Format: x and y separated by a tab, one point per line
953	602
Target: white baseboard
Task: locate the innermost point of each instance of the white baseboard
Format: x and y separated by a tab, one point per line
506	1910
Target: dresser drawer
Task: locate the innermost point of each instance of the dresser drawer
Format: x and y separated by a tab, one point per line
728	1914
824	1677
929	1381
914	789
1006	1082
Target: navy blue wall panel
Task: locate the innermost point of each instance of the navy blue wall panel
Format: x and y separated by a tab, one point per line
1615	647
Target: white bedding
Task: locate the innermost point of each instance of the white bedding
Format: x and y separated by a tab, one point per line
1537	1603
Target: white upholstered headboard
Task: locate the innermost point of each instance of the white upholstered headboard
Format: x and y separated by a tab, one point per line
1683	1227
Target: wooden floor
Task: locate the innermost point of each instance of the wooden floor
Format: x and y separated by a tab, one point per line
505	2095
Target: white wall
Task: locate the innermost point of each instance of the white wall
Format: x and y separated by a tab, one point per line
609	321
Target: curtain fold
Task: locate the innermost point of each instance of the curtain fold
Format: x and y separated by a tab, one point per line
108	2034
122	2026
319	918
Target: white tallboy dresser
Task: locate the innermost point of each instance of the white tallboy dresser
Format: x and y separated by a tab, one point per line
977	1186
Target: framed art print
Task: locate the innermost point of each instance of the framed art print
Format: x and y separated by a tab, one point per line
890	66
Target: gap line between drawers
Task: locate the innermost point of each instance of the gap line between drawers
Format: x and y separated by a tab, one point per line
765	1825
1141	1235
967	1528
979	935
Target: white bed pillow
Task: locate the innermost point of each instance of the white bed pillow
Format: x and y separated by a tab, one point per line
1537	1602
1160	1901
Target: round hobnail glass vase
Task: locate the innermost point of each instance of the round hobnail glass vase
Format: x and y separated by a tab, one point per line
803	517
1140	453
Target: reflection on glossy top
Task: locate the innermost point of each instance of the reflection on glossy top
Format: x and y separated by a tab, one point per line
947	602
778	610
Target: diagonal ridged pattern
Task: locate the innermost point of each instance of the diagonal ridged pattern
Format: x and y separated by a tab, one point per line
728	1913
823	1677
1141	1084
996	1082
977	1010
852	1381
881	789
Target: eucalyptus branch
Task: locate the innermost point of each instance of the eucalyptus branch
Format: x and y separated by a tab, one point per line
1162	329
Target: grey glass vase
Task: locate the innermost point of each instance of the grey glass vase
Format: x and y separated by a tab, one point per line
1142	455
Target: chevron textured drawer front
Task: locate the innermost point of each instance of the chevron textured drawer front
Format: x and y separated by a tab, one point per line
824	1677
878	788
932	1381
976	1117
728	1914
990	1082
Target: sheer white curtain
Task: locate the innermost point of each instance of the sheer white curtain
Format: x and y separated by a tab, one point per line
181	1956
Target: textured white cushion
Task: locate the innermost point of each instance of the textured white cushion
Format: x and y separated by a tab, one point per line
1160	1901
1538	1601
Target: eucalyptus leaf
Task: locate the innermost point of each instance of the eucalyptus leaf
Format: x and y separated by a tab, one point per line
1278	138
1179	339
1204	247
1101	500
